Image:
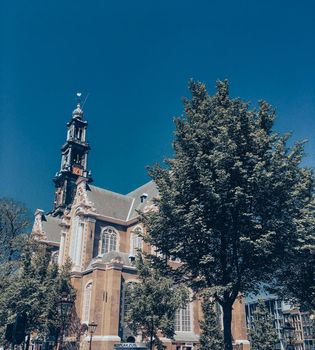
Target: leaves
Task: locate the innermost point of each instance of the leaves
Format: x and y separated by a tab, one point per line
263	335
231	200
151	304
211	337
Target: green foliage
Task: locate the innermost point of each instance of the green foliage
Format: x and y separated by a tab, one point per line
263	335
29	301
151	304
230	199
211	337
296	280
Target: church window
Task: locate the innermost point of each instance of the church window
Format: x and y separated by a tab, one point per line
87	302
54	258
136	241
183	319
109	240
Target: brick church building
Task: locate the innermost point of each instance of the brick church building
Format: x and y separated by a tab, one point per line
99	230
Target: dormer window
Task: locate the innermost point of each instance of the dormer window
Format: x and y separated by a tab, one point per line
143	197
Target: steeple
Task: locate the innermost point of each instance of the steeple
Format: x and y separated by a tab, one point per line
74	158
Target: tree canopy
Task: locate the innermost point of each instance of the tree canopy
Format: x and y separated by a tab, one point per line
229	199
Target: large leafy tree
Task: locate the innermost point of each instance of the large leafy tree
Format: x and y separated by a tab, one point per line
263	334
229	199
151	304
211	337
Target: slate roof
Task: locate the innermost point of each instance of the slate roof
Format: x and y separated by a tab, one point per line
109	203
150	189
119	206
51	228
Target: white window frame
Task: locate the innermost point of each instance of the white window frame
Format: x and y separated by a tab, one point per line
111	232
184	319
86	307
136	241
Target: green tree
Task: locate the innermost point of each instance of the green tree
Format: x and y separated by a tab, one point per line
151	304
229	199
14	222
211	337
263	335
31	298
296	280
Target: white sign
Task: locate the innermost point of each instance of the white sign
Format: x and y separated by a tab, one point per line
125	345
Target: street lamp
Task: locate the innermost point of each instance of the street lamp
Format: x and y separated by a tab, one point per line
288	330
92	328
65	304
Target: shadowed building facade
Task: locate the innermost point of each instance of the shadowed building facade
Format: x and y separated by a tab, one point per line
99	231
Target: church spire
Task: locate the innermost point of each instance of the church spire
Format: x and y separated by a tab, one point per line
74	158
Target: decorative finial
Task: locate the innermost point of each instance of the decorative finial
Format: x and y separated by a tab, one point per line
79	94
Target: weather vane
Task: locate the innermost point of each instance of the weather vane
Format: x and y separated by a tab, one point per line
79	97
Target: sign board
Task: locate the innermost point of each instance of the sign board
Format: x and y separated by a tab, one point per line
125	345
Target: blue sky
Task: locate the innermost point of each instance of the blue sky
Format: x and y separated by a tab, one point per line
134	58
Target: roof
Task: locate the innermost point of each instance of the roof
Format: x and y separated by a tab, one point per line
51	228
120	257
148	189
119	206
186	336
109	203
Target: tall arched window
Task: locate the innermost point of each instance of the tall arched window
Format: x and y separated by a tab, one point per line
87	303
109	240
136	241
54	257
183	319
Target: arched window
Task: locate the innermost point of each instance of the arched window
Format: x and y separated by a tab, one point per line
183	319
87	303
54	258
109	240
136	241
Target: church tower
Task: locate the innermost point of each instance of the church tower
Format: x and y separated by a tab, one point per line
74	158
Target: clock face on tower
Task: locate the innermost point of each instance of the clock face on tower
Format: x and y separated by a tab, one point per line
76	170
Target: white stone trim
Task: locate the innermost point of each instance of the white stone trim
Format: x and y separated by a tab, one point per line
133	200
241	341
103	338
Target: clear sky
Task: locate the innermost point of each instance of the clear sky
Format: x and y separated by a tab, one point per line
134	58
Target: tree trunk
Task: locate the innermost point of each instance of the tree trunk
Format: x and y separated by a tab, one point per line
227	321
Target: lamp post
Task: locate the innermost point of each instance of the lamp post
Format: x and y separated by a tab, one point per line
65	304
92	328
288	330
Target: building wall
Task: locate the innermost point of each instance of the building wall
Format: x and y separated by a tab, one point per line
82	231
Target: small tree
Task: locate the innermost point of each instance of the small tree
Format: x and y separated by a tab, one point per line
230	199
151	304
14	221
31	298
211	337
263	334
